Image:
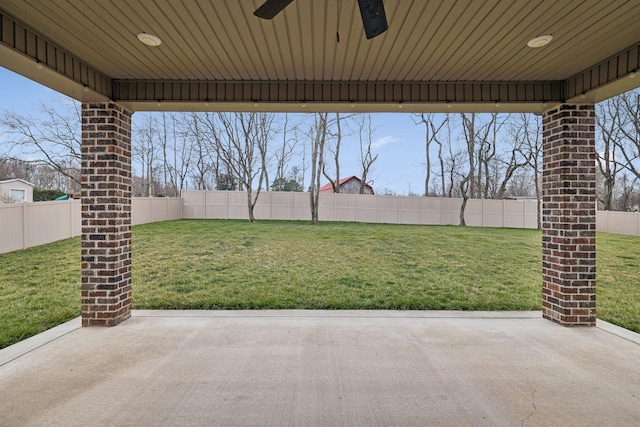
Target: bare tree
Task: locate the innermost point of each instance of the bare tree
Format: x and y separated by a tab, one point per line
618	120
521	184
243	142
265	133
223	174
42	176
177	152
17	168
53	138
452	162
438	140
628	123
627	193
144	153
480	140
607	122
467	181
432	127
336	135
284	153
318	136
492	169
367	159
204	163
518	154
533	139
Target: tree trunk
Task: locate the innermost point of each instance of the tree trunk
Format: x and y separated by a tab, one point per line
465	196
250	206
366	157
318	136
467	184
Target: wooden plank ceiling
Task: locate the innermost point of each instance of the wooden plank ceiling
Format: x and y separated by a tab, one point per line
216	54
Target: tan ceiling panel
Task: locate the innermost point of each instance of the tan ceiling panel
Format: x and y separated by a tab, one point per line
428	41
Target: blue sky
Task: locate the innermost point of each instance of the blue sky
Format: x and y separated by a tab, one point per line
398	140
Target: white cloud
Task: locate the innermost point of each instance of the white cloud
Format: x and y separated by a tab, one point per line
384	141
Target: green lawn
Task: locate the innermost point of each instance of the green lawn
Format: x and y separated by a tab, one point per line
269	265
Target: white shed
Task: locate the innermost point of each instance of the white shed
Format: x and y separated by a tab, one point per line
15	191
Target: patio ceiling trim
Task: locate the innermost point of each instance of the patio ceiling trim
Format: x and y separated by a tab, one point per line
25	52
608	78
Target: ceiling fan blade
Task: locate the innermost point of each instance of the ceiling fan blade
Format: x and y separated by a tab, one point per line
373	17
271	8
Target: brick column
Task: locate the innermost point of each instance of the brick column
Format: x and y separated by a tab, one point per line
569	215
106	214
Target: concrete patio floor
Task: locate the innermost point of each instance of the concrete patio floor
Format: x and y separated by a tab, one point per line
324	368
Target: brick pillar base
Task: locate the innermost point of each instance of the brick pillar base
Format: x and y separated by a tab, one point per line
569	215
106	214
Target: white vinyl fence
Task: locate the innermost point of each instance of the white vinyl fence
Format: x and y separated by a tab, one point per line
618	222
31	224
386	209
155	209
26	225
361	208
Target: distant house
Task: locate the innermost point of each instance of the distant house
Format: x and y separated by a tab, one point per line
350	185
15	190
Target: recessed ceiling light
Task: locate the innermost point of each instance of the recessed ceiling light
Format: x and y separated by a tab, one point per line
540	41
149	39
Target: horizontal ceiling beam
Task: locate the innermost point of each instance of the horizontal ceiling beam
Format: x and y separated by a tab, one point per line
280	95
